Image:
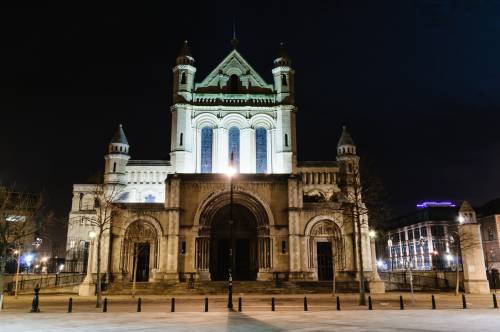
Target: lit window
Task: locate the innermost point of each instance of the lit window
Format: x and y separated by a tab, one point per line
150	199
206	149
261	150
234	146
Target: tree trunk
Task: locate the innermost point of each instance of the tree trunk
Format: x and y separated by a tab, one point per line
457	285
362	295
98	278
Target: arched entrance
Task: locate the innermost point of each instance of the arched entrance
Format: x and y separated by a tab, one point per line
243	242
251	245
326	248
140	250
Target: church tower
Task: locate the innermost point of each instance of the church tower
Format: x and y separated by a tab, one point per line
284	80
117	158
346	154
181	136
183	71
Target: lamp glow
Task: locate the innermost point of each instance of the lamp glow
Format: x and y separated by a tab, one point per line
230	171
92	234
372	234
461	219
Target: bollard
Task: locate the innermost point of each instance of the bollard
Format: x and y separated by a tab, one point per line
401	303
370	307
206	304
70	305
433	299
139	305
305	304
34	304
273	305
172	305
239	304
338	303
105	306
495	303
464	302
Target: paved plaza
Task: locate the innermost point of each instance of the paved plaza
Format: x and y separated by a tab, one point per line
256	315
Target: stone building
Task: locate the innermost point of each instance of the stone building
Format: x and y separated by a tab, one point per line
171	217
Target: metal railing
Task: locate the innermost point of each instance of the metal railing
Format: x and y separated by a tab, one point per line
46	281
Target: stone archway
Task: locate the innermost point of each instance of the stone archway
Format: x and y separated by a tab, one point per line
325	246
140	250
251	242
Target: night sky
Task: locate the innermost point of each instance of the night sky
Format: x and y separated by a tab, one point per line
416	82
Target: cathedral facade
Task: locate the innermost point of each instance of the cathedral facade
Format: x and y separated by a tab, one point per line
186	218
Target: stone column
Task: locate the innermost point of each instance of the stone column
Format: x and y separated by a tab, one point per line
247	150
172	203
377	286
475	281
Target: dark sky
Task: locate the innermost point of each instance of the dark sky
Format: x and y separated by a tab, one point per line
415	81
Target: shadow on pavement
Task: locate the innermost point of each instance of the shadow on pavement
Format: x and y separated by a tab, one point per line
237	321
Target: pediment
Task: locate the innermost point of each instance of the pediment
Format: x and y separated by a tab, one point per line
233	64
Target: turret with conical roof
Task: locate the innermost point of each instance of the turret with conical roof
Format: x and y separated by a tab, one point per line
183	71
346	153
116	158
284	77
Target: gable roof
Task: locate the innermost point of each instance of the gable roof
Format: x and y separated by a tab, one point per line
233	63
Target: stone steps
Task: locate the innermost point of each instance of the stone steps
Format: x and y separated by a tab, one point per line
239	287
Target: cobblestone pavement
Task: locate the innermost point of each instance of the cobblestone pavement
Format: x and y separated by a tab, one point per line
408	320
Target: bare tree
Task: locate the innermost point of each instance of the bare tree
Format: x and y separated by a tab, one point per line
363	200
22	217
458	241
105	197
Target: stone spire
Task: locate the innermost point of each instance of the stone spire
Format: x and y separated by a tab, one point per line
466	214
185	57
119	136
345	139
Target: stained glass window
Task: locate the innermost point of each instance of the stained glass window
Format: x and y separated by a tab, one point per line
206	149
261	150
234	146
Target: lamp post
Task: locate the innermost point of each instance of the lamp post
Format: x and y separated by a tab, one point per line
18	253
88	277
230	173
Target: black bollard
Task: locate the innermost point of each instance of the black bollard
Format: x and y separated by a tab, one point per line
495	303
70	305
36	297
464	302
105	306
239	304
305	304
433	299
370	307
338	303
172	305
273	305
206	304
139	305
401	303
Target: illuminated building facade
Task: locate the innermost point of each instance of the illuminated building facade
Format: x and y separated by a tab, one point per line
289	217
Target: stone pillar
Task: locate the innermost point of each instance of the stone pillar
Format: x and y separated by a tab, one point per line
475	281
377	286
172	203
247	150
294	236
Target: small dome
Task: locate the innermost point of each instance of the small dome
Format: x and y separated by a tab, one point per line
282	58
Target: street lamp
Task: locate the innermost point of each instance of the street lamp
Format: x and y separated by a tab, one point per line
231	171
18	253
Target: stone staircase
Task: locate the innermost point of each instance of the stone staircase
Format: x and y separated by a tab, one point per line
239	287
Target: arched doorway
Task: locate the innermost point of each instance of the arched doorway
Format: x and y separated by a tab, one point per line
243	242
140	250
252	250
326	249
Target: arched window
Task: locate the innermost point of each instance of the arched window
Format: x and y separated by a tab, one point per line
114	167
206	149
261	150
283	80
234	83
286	139
181	139
234	146
183	78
